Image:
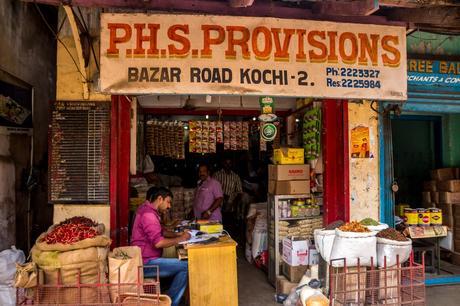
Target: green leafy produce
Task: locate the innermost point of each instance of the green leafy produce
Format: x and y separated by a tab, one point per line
369	222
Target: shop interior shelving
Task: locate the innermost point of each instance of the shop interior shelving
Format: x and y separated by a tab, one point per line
274	242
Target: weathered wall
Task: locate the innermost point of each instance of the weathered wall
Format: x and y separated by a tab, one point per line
7	195
69	88
364	172
69	83
28	52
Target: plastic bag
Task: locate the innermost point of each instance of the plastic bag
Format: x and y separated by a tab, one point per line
377	228
391	249
317	299
324	239
7	296
8	260
351	246
259	242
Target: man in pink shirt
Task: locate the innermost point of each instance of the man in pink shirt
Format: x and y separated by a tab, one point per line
208	197
149	235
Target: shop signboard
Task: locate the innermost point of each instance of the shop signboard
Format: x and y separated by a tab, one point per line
198	54
422	72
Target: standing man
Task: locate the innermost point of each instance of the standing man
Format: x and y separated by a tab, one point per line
231	185
152	239
208	197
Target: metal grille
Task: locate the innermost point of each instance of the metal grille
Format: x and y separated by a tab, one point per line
401	284
80	148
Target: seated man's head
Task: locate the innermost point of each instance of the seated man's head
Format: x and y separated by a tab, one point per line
160	198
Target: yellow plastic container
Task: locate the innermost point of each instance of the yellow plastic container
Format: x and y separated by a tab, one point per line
288	156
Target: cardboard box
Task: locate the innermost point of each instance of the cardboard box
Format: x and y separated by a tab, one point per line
450	185
289	187
293	273
430	186
283	286
288	172
313	256
389	280
449	197
295	252
289	156
443	174
349	288
447	242
426	197
434	196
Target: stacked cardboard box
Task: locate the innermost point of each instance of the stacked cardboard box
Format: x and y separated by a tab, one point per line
289	179
446	181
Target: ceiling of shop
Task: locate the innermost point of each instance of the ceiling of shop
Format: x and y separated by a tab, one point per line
199	102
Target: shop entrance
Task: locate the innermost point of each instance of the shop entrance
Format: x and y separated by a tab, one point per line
416	151
420	157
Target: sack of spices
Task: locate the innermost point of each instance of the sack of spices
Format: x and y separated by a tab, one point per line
354	242
391	244
373	225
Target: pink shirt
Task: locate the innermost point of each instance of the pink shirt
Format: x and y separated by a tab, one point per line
206	194
147	231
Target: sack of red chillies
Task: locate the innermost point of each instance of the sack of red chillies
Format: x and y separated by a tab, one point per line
71	251
73	234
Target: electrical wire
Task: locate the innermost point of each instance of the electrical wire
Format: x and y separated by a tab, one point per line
60	41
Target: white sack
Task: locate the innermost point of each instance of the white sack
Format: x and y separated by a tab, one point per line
324	239
377	228
259	242
351	246
391	249
8	260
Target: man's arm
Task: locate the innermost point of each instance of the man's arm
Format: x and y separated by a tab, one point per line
217	202
168	242
170	234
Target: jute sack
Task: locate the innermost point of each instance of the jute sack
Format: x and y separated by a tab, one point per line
126	272
84	266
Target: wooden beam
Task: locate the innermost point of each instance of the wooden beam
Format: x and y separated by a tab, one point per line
346	8
448	17
418	3
215	7
79	49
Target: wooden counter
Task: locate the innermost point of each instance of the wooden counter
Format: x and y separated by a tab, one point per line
212	273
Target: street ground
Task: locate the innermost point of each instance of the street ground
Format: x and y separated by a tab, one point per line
254	290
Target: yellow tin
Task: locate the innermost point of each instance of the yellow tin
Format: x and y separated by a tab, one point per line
435	216
424	217
411	216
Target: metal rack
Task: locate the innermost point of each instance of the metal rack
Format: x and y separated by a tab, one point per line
144	292
274	243
400	284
